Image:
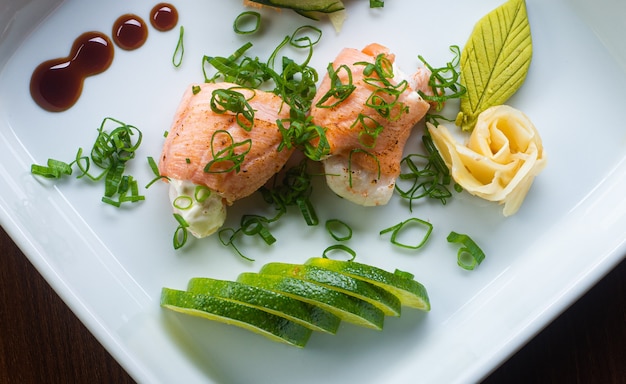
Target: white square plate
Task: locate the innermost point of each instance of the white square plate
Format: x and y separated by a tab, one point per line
110	264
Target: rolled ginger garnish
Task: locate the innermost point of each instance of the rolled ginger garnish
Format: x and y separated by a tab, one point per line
503	155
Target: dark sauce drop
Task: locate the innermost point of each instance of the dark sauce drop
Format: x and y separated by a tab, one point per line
57	84
163	17
130	32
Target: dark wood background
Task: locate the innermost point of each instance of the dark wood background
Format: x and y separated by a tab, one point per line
41	340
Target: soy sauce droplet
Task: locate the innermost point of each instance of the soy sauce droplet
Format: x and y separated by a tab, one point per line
56	84
129	32
163	17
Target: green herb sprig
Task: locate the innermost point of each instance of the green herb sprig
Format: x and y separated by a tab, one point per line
110	153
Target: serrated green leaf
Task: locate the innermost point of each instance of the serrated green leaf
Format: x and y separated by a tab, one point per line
495	60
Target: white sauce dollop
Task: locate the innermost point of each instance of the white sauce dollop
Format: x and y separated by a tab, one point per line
202	209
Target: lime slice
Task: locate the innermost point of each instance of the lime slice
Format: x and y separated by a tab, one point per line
410	292
213	308
346	307
379	297
310	316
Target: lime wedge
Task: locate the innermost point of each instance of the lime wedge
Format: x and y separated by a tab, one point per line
346	307
213	308
306	314
379	297
410	292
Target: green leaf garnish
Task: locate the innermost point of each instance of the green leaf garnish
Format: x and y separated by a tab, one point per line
495	60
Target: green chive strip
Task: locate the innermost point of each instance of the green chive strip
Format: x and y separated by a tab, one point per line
244	19
230	100
111	151
183	202
201	193
339	247
445	81
398	228
179	51
229	241
336	227
470	255
228	154
155	170
338	91
181	234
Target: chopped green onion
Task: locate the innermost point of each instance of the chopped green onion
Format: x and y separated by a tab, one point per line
228	154
294	189
370	130
128	183
339	247
295	39
195	89
229	241
335	227
201	193
396	231
256	225
307	210
155	170
55	169
377	3
181	234
183	202
243	19
177	57
229	100
445	81
470	255
338	91
430	180
110	152
390	110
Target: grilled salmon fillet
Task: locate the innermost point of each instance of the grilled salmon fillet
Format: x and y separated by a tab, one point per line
363	166
220	150
197	133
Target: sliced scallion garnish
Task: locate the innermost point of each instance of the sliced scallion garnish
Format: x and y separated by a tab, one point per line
397	229
231	100
201	193
111	151
182	233
230	158
338	91
339	230
470	255
244	19
155	170
179	51
339	247
183	202
445	81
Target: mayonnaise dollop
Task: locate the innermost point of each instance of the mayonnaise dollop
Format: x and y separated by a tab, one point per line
503	155
204	212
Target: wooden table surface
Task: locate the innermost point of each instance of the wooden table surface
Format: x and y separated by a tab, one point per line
41	340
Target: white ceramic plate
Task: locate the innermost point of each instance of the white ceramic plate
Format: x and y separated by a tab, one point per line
109	264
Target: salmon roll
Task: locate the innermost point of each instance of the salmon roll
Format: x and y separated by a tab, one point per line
368	111
223	145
